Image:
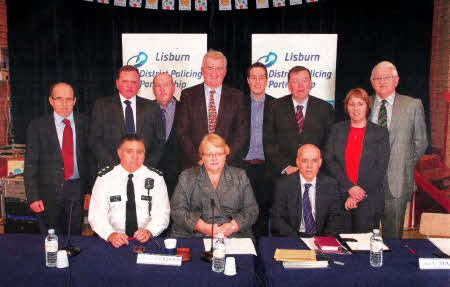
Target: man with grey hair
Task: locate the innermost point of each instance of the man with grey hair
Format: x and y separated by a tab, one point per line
211	107
405	120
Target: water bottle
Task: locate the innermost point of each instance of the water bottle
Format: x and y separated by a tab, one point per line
51	248
218	263
376	249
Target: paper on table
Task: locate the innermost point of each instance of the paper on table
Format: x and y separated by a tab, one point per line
309	241
234	245
362	241
442	243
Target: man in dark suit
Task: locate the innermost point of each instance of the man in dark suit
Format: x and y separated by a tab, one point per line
125	113
306	204
212	107
56	170
170	163
254	160
294	120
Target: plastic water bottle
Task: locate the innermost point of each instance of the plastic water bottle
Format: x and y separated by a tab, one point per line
51	248
376	249
218	263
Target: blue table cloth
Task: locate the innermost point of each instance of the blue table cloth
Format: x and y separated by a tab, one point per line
22	263
400	267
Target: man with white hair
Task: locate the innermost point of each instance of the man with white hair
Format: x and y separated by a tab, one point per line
405	120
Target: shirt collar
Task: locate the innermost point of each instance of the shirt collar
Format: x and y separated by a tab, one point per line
218	90
389	99
59	119
123	99
304	104
135	173
303	180
263	99
169	106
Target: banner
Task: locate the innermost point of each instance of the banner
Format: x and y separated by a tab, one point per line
281	52
260	4
224	4
135	3
201	5
121	3
279	3
184	5
179	55
151	4
295	2
168	4
240	4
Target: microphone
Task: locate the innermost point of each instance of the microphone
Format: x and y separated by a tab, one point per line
208	255
71	249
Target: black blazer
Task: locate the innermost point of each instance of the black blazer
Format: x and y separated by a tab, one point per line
108	126
248	104
372	165
286	212
44	167
170	163
192	122
280	132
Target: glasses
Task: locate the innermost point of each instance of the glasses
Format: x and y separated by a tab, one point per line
60	100
379	79
213	155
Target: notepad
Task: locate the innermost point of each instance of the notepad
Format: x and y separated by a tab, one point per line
327	243
294	255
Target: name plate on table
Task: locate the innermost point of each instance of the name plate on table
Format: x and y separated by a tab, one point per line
304	264
434	263
159	259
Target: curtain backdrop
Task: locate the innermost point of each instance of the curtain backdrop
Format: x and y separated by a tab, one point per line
80	43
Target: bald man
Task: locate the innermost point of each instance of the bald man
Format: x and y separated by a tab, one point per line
56	163
306	204
170	163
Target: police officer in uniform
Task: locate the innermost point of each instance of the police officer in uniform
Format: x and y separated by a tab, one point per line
129	200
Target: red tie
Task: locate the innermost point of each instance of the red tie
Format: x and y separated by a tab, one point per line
212	113
299	116
67	150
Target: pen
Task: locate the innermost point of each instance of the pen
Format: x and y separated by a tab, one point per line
410	250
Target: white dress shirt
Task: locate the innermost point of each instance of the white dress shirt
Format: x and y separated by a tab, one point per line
107	209
133	107
312	199
377	105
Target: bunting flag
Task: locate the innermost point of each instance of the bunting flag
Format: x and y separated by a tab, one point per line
260	4
89	0
311	1
295	2
151	4
121	3
224	4
200	5
135	3
184	5
279	3
103	1
168	4
241	4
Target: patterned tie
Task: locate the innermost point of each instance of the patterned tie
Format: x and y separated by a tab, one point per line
129	119
67	149
382	114
163	118
212	113
310	226
131	218
299	116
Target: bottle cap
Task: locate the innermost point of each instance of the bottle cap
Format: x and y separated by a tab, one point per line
51	231
220	235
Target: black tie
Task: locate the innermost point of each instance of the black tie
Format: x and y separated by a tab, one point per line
131	218
129	119
163	118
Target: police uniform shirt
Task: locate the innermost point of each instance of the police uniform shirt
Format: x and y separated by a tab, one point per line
107	209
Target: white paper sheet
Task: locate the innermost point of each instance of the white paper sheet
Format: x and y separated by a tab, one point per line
362	243
309	241
234	245
442	243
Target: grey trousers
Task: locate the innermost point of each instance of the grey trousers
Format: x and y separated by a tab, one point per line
394	215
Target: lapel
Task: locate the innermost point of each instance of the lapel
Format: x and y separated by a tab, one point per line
140	115
309	116
78	133
319	207
396	118
171	136
297	199
117	115
53	137
288	109
342	142
225	102
200	102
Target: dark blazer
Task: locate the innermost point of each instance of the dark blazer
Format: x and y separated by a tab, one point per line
44	167
280	132
170	163
192	122
286	212
248	104
372	165
108	126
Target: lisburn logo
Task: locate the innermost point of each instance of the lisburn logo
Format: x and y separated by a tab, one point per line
269	59
138	60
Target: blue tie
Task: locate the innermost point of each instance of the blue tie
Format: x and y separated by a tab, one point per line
129	119
310	226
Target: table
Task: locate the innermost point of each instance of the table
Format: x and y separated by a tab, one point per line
400	267
22	263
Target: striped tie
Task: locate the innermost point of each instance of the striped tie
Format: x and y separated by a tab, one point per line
299	116
382	114
310	226
212	113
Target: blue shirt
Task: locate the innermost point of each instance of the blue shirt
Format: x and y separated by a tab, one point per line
60	131
217	94
170	115
256	150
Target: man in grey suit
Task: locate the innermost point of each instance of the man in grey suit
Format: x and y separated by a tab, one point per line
405	120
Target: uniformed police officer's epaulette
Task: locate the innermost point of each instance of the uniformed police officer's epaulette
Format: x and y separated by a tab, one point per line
155	170
104	170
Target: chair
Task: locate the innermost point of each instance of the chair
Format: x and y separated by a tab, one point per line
435	224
